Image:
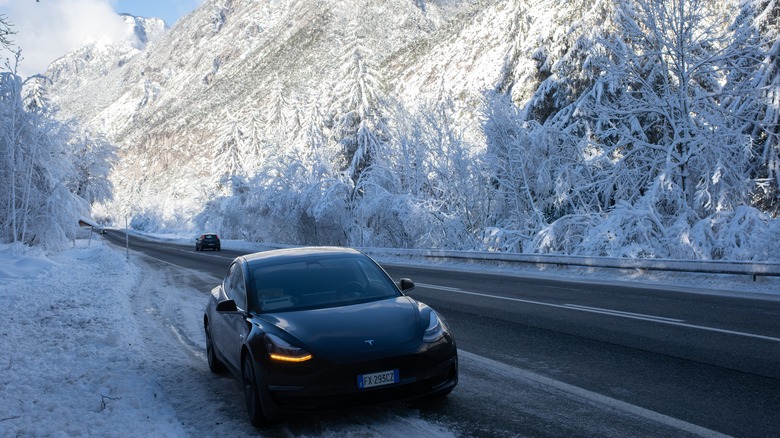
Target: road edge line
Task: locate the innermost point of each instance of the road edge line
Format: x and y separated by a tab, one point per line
593	396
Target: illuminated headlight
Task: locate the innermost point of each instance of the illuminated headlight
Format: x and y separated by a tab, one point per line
435	330
281	350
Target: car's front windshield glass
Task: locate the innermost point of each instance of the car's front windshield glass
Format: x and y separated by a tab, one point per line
318	283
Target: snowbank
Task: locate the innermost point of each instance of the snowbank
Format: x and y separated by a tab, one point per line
72	363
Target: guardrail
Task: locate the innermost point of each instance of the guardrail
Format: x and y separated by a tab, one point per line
753	269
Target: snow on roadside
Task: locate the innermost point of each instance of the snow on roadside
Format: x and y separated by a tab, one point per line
72	362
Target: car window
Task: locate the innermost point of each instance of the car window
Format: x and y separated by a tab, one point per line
318	283
235	286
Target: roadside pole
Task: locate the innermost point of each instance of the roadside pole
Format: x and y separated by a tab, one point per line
127	241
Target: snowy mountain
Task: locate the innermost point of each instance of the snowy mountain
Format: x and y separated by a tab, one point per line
163	103
74	74
514	125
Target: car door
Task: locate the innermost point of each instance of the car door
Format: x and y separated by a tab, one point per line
236	326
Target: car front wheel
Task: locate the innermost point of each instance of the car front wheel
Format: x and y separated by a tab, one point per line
253	405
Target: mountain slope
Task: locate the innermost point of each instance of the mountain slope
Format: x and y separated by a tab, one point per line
165	104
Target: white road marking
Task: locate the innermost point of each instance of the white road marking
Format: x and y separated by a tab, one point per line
217	279
208	255
617	313
540	380
621	313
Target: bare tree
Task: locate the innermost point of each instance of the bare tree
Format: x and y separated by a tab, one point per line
5	32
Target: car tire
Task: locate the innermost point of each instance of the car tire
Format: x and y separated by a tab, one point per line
215	365
254	406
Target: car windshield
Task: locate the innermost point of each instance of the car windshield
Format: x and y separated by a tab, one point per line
319	283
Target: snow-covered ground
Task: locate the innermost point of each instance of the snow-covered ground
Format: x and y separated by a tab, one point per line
95	344
75	360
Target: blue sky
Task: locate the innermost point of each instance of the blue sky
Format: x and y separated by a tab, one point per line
49	29
168	10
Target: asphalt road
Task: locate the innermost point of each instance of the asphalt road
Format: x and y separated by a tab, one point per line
656	362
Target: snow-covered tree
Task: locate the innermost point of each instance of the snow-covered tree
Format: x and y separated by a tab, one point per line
658	107
36	205
551	61
458	195
514	176
278	114
93	157
228	160
35	94
359	125
757	34
663	150
253	148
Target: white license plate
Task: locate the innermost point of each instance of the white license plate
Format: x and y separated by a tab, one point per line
378	379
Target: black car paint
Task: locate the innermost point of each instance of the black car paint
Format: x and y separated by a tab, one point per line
329	379
208	240
393	322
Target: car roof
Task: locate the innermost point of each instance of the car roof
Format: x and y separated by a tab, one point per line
291	254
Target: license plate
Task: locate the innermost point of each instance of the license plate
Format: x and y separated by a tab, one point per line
377	379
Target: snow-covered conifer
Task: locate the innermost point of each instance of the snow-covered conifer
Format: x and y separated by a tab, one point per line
359	124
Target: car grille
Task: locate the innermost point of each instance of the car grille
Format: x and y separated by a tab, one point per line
417	384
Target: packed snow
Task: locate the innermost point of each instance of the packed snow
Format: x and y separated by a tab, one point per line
75	358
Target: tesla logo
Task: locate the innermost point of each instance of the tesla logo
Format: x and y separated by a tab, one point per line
369	342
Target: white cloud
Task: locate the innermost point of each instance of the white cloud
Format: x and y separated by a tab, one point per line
49	29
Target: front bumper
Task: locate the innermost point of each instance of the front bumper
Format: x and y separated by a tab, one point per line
325	387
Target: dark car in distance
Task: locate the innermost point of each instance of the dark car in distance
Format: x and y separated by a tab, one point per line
208	241
317	329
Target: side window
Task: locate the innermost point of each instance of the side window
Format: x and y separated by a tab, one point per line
235	286
226	282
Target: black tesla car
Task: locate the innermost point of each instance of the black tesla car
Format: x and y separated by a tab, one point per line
313	329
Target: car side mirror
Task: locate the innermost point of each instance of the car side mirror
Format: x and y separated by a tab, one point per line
406	284
227	306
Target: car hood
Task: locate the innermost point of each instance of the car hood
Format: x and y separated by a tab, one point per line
359	329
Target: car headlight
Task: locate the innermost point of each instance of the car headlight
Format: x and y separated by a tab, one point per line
435	330
281	350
